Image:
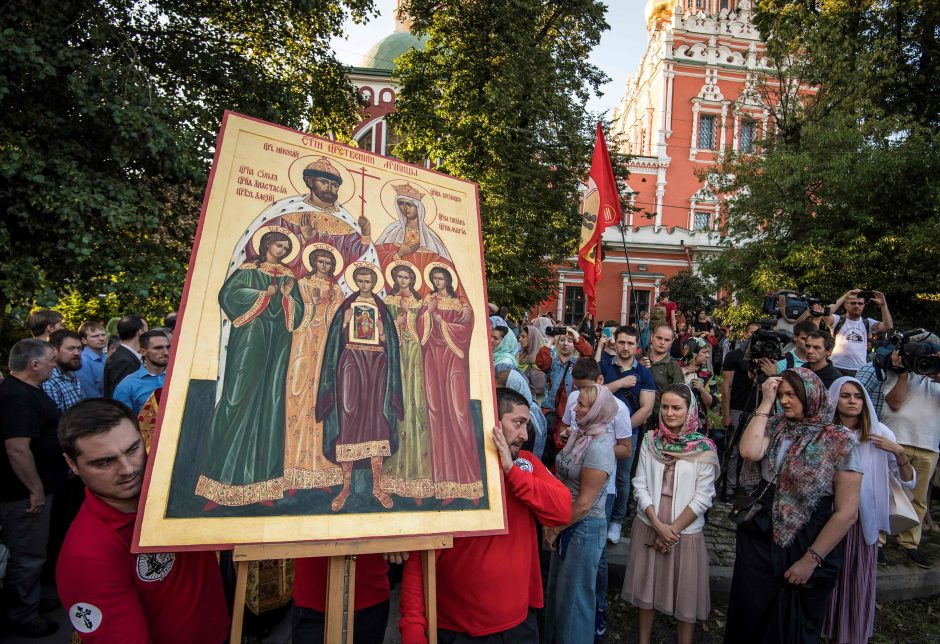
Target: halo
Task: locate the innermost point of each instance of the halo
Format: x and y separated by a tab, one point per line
389	273
446	267
388	196
348	276
337	258
295	243
347	189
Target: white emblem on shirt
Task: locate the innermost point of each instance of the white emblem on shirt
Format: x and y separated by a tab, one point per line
155	566
85	618
523	464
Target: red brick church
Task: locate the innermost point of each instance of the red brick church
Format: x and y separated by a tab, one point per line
691	101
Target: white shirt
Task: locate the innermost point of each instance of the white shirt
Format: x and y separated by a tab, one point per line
851	350
917	422
618	429
693	486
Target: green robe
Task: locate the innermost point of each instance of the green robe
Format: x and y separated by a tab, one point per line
408	472
244	456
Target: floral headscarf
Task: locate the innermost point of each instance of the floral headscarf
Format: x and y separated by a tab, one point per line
817	450
594	424
689	443
690	349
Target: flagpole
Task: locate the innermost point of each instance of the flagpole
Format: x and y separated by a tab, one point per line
623	235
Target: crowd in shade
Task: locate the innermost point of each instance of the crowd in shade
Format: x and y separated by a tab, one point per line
819	426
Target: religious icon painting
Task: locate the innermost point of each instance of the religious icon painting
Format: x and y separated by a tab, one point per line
330	376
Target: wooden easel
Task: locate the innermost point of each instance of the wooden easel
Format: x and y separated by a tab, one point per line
341	578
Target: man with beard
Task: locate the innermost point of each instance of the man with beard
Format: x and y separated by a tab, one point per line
135	389
111	594
316	217
63	385
499	604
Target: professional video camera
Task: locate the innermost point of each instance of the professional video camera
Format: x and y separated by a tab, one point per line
796	303
766	342
917	350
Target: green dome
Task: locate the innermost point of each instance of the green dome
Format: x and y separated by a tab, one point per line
384	53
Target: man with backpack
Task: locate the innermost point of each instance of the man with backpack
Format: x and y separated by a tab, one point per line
852	332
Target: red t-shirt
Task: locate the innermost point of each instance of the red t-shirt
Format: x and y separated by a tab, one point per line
112	595
310	575
486	585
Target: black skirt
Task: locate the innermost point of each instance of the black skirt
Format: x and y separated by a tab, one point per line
763	606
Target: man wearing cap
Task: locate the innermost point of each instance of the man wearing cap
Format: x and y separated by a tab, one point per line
317	218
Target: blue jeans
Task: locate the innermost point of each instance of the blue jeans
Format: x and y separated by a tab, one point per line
624	466
601	589
570	601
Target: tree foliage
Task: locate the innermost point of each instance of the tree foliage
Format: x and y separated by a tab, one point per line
110	113
691	293
845	194
498	97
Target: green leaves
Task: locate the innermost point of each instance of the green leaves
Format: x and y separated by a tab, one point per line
846	194
111	109
498	97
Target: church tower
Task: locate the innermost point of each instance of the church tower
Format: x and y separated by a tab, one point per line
691	101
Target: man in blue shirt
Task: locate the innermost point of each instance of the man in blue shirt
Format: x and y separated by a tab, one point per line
136	389
91	375
632	384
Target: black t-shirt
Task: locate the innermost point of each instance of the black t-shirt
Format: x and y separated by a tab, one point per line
828	374
698	327
27	412
742	383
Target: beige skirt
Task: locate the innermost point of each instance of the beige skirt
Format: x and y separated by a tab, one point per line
673	584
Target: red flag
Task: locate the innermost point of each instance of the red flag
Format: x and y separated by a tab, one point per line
600	208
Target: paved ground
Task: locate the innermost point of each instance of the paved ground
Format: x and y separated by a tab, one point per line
899	580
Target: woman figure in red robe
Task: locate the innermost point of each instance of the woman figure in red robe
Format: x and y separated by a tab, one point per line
445	324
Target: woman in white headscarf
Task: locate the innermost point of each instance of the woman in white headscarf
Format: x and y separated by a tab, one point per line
410	234
851	616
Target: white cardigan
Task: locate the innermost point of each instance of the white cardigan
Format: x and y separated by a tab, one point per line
693	486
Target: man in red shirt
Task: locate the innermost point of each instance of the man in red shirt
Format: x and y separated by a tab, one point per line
371	604
112	595
488	586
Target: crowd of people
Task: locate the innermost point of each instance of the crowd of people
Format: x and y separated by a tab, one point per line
811	443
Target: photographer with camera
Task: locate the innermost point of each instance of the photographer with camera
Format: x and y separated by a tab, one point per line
852	331
632	384
795	357
910	397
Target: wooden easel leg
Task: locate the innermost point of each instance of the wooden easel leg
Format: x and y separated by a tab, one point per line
340	599
428	565
238	607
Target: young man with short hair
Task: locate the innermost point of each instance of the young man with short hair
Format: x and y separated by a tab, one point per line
489	587
852	332
43	322
795	357
632	384
136	389
63	386
126	359
95	344
586	372
666	371
31	473
111	594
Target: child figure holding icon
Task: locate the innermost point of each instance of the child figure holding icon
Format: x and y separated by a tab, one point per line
359	398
